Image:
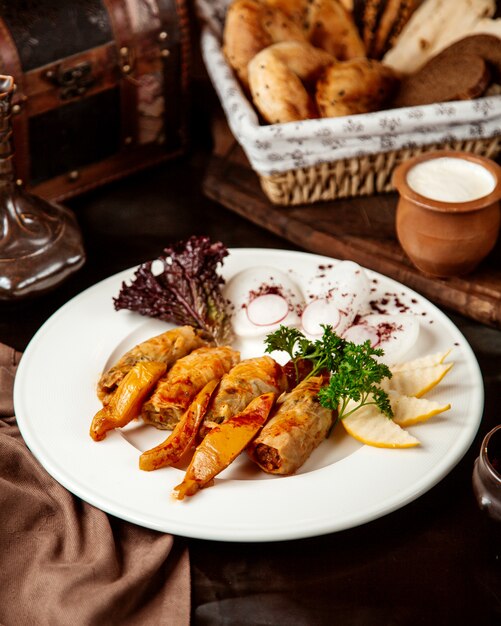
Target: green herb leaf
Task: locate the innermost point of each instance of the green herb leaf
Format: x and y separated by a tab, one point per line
284	340
354	371
357	378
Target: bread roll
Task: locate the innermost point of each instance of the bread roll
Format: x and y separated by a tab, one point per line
356	86
280	77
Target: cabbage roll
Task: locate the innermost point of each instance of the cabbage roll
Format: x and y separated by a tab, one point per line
298	425
125	404
244	382
223	444
165	348
178	388
182	437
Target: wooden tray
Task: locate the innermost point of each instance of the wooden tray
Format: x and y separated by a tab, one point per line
360	229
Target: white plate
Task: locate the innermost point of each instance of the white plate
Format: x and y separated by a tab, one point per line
342	485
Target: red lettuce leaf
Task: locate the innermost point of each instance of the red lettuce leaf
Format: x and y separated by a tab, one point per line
186	291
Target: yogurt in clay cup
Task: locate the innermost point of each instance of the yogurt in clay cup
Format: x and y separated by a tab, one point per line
448	213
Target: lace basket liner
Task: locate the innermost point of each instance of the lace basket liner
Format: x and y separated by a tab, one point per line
325	159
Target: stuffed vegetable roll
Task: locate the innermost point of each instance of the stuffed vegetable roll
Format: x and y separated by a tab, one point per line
223	444
244	382
177	389
165	348
125	404
298	425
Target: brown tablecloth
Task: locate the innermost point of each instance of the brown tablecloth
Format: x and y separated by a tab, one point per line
62	561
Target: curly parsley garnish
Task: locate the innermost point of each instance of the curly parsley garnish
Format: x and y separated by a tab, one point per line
354	373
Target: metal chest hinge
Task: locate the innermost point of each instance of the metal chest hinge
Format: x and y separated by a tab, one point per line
72	81
126	59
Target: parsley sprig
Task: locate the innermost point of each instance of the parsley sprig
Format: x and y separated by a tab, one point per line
354	372
323	354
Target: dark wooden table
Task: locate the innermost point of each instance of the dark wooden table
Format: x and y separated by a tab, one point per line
435	561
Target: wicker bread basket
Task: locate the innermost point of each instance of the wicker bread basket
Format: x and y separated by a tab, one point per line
358	176
324	159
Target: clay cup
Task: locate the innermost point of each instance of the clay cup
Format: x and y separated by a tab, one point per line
444	239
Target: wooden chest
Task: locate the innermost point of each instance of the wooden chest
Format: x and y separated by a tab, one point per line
102	88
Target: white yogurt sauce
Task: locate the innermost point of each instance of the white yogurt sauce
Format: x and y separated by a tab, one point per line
449	179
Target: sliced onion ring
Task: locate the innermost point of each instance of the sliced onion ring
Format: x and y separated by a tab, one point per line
267	309
398	334
320	311
360	333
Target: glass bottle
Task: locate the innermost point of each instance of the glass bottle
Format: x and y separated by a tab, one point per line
487	474
40	242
